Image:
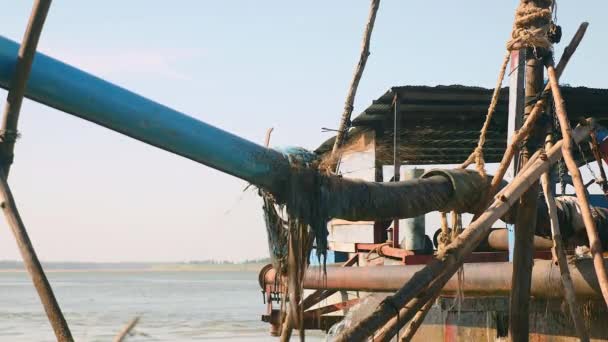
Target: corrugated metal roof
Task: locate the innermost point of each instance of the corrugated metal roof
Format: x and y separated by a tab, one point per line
440	125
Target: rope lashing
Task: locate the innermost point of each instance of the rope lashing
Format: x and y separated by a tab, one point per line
522	36
444	238
527	13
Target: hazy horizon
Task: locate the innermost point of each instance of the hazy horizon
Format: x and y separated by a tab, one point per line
87	193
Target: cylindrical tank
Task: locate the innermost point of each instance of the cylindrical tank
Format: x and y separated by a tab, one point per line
413	228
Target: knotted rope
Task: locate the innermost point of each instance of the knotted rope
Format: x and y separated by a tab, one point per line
444	237
527	13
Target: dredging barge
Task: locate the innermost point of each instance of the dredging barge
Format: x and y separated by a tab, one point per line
340	201
433	130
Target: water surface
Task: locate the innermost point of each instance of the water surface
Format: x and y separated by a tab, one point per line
174	306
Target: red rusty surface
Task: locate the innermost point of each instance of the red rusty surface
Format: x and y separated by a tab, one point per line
331	308
474	257
450	328
320	295
384	250
411	258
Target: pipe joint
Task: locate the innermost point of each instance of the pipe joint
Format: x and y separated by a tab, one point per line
469	188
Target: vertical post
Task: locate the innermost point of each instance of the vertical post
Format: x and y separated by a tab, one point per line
8	136
525	221
8	132
516	113
413	228
396	161
379	229
516	100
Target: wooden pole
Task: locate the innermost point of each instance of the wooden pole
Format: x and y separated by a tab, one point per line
560	252
126	330
396	162
411	311
595	244
525	220
25	58
352	91
516	99
416	322
448	261
31	262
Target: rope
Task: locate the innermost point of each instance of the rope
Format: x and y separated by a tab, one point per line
444	237
528	13
456	230
477	155
522	36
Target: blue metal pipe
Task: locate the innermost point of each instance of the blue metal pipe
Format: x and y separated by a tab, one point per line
74	91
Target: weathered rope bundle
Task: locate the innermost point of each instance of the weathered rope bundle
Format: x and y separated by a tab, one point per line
521	37
529	12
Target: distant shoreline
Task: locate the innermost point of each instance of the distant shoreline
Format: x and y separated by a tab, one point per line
139	267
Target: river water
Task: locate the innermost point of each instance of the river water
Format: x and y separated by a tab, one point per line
174	306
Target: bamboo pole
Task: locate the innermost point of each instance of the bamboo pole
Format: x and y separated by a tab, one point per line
560	252
526	128
594	243
352	91
411	310
448	261
31	262
416	322
25	58
126	330
14	99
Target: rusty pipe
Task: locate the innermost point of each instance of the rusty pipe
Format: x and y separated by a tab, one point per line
498	239
481	279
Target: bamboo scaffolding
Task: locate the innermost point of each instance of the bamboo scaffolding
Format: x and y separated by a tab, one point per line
594	243
448	261
517	139
560	253
527	126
